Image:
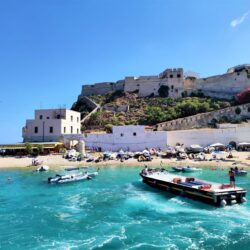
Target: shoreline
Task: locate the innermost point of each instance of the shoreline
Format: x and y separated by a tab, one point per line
241	159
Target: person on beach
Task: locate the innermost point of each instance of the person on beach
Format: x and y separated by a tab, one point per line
231	174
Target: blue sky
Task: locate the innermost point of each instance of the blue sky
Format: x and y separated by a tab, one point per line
49	48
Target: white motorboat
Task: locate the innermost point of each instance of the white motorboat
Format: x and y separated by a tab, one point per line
190	169
72	177
42	168
58	179
241	173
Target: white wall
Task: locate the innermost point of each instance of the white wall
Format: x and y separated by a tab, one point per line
206	137
133	138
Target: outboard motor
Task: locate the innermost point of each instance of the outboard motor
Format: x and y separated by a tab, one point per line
223	203
49	179
243	199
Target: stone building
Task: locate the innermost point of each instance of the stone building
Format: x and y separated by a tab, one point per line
224	86
149	85
49	125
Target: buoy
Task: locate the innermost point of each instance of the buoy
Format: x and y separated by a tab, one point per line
223	203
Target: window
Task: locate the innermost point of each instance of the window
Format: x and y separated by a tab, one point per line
71	117
64	130
77	119
40	117
51	130
171	76
122	134
134	134
47	117
58	117
179	75
36	130
71	129
78	131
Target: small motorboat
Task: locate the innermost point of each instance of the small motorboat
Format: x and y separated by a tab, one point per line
59	179
42	168
72	177
190	169
241	173
177	169
71	168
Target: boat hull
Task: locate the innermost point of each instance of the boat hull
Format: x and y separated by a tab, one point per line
199	195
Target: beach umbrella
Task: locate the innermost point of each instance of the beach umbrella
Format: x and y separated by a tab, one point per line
121	152
217	145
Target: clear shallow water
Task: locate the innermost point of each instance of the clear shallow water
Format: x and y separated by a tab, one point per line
114	211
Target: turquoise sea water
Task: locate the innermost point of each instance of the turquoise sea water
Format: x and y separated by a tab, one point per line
114	211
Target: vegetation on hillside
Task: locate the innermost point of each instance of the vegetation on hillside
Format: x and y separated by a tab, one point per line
146	111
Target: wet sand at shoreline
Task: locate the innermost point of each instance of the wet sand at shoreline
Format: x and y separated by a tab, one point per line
242	159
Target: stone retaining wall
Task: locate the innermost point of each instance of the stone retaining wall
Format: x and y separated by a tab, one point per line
203	119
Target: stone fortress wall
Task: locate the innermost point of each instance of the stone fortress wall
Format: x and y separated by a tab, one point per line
101	88
145	85
224	86
203	119
148	85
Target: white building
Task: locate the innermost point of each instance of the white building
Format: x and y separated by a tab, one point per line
51	124
207	136
132	138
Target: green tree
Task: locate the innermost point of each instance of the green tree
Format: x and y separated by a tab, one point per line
237	110
28	148
203	107
40	149
155	115
169	101
163	91
184	94
187	108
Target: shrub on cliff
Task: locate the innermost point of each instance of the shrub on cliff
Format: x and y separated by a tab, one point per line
155	115
114	95
108	127
96	118
238	111
163	91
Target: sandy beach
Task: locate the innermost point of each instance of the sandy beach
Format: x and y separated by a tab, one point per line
242	159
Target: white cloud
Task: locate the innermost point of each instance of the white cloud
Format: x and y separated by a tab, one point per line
239	20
